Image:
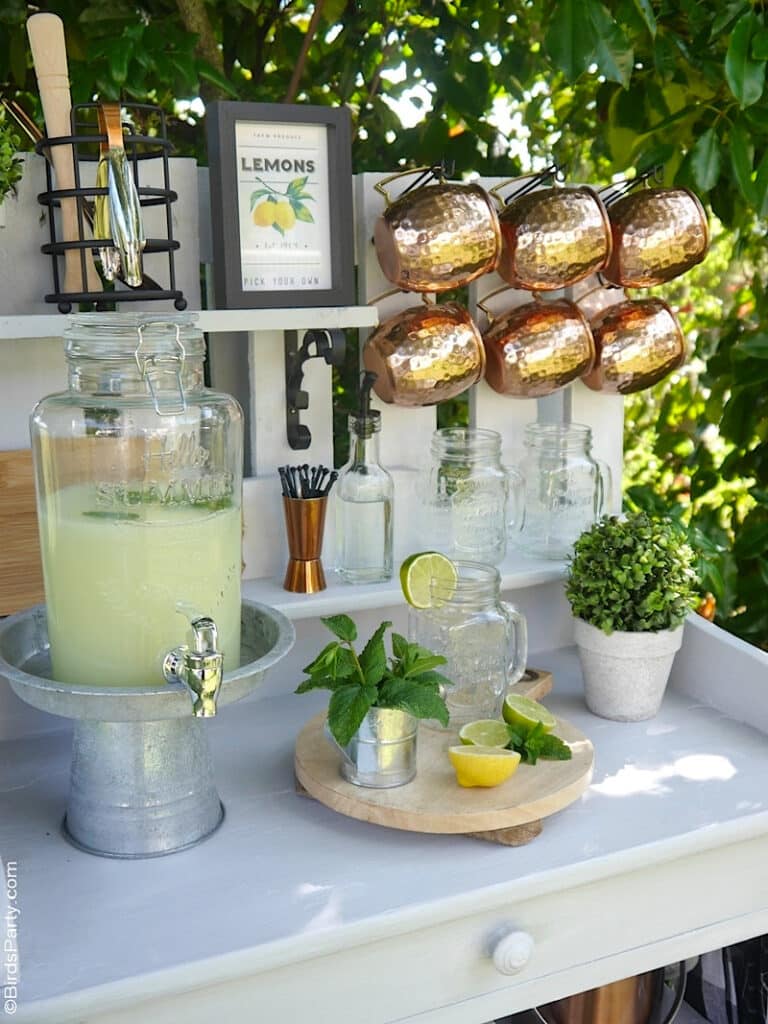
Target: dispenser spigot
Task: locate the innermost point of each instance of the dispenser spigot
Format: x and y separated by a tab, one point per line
199	670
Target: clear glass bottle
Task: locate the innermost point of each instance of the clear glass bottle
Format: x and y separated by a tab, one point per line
483	638
464	496
562	489
364	500
139	482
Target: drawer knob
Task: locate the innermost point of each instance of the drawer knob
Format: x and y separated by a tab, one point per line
512	952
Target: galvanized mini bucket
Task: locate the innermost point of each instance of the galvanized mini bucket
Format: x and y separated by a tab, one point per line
382	753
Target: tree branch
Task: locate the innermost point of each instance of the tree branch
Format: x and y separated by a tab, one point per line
298	71
196	21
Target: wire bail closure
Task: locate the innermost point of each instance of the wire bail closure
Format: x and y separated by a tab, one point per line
153	368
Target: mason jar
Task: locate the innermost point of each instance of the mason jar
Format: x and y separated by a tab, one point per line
482	638
463	496
138	470
560	489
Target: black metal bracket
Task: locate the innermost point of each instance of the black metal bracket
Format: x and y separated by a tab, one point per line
328	345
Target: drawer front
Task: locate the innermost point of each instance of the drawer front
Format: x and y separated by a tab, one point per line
580	938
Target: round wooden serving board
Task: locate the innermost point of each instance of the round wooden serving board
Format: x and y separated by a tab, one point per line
434	801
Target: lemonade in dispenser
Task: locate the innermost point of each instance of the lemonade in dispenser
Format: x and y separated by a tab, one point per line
138	471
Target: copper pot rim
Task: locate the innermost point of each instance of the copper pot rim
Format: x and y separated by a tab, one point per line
596	321
542	194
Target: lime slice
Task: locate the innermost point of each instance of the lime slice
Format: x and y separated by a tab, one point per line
417	573
485	732
524	713
483	766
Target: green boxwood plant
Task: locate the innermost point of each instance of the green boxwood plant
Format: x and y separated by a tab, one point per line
10	163
632	574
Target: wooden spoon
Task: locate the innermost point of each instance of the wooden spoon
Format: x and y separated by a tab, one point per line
49	54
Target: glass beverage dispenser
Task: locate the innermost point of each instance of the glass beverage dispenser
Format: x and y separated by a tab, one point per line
139	480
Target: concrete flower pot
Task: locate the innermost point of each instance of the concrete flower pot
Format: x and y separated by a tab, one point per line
625	674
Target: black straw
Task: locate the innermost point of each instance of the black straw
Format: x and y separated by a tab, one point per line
306	481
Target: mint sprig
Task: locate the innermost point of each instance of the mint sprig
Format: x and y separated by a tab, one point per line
536	743
405	680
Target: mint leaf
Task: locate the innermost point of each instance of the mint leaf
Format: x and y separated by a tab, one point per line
324	659
432	680
341	626
399	646
408	696
554	748
423	664
348	706
373	660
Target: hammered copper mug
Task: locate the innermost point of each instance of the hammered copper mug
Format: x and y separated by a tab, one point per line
437	237
658	234
537	348
425	354
637	344
552	238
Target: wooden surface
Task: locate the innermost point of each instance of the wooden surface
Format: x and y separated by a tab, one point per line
433	801
21	574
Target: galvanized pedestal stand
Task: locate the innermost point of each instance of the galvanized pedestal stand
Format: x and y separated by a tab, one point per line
141	782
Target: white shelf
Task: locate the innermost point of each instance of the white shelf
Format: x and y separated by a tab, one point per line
517	572
214	320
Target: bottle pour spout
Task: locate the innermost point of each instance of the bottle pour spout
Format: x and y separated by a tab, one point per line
200	669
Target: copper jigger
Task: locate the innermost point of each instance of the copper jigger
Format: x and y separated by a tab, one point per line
537	348
304	522
425	354
658	234
637	344
552	238
437	237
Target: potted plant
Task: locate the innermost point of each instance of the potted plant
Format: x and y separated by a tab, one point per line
11	165
376	700
630	586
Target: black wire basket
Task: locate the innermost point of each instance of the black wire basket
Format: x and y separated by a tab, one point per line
86	140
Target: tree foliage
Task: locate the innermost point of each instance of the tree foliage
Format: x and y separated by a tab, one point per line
607	88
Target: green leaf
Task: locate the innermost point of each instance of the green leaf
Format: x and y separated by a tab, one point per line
341	626
726	16
745	76
373	660
324	659
645	9
760	45
553	748
209	73
742	155
348	706
756	347
399	646
296	186
302	213
761	187
434	680
425	664
258	194
416	700
613	53
705	160
570	40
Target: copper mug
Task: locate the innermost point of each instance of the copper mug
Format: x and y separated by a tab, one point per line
637	344
658	234
425	354
553	237
537	348
437	237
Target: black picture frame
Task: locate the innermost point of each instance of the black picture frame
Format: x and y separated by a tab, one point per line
255	267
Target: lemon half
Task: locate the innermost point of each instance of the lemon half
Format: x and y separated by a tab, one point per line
483	766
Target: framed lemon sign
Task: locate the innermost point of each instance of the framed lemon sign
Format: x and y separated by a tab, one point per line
281	205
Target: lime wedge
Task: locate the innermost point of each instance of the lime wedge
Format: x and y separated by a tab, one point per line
524	713
483	766
417	573
485	732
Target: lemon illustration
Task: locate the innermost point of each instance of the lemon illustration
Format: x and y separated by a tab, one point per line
264	214
283	216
